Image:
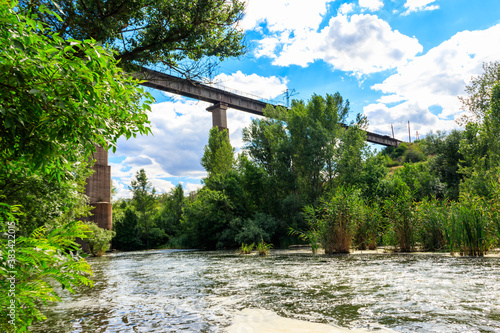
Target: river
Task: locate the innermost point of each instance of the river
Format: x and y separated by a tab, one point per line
287	291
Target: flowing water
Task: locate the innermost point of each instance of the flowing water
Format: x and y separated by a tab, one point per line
191	291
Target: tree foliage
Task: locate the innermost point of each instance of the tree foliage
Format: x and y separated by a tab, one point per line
33	263
446	161
307	148
144	200
58	98
175	34
218	156
61	97
481	150
477	102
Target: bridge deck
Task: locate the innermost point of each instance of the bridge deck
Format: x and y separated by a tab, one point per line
203	92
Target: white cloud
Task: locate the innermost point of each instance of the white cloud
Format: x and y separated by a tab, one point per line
253	84
381	117
294	33
281	15
419	5
362	44
431	83
372	5
267	47
191	187
366	44
180	131
346	8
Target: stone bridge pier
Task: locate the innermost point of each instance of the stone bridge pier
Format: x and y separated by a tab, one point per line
219	117
98	190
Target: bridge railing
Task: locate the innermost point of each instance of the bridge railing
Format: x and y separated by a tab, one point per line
208	82
245	94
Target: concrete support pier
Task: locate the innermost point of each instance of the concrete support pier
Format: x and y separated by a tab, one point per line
98	190
219	117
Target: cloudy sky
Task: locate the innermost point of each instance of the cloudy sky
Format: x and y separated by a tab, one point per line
395	60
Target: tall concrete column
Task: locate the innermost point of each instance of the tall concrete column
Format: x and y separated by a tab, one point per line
219	117
98	190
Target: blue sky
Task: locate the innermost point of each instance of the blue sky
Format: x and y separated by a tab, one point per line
395	60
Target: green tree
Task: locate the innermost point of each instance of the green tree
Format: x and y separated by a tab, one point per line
207	217
421	182
175	34
269	146
350	155
58	98
307	149
230	184
481	150
446	160
71	102
315	132
127	232
256	185
477	102
144	201
372	174
218	156
170	214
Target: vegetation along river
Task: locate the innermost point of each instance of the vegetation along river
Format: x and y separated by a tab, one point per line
191	291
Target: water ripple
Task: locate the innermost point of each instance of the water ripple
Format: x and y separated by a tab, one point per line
171	291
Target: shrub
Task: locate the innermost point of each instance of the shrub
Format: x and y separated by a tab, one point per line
413	156
252	230
99	239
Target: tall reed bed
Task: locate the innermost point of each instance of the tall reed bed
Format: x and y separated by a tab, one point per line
342	221
368	226
431	217
469	227
335	220
400	214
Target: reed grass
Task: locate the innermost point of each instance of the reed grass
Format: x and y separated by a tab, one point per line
431	215
246	248
335	220
263	248
367	227
467	229
399	210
